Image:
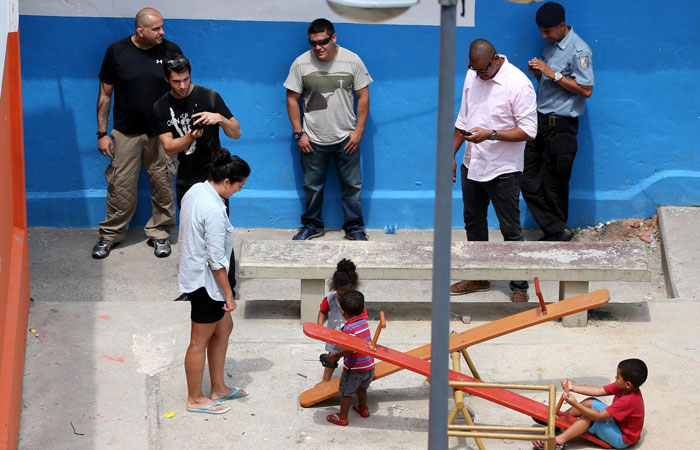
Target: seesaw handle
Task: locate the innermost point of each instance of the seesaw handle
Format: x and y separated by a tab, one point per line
539	296
382	324
561	400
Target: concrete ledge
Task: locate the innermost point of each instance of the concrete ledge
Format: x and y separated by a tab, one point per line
572	264
681	249
470	260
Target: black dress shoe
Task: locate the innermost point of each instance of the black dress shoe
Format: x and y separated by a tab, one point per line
565	235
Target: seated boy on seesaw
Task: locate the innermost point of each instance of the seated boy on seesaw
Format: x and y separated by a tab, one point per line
619	424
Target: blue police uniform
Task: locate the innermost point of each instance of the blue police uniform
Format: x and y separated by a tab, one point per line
549	158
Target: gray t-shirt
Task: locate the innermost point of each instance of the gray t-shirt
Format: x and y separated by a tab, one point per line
328	87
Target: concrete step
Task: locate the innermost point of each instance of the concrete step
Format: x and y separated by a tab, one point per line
678	226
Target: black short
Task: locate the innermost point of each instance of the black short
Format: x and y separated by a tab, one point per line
204	308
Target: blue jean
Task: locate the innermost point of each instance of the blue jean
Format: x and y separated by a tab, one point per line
504	192
347	166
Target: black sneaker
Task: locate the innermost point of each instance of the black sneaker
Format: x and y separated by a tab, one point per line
102	248
356	236
161	247
305	233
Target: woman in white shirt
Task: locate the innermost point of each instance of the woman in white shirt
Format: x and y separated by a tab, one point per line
206	243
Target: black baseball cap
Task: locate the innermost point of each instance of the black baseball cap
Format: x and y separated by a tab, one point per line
550	14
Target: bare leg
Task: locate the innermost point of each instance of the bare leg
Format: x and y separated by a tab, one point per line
579	427
362	398
327	374
576	429
344	406
575	412
216	355
194	366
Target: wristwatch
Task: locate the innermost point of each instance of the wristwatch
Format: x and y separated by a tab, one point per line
557	76
298	134
101	134
494	136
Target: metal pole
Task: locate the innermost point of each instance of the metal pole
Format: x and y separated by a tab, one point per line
440	326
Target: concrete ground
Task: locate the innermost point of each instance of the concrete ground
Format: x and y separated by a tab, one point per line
106	362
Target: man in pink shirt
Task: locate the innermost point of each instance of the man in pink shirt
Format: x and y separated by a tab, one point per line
497	116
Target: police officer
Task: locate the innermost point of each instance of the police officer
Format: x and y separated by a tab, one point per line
565	75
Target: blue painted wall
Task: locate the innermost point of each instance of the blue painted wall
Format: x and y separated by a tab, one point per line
638	138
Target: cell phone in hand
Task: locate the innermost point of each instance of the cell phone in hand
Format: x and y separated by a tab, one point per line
464	132
195	126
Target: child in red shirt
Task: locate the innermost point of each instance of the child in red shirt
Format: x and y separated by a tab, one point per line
619	424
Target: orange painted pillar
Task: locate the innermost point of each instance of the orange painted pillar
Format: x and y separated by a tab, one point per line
14	258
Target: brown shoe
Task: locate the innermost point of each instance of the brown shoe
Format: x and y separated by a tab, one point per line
469	286
519	297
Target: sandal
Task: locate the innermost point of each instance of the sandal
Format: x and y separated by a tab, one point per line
363	412
335	419
237	393
540	445
208	409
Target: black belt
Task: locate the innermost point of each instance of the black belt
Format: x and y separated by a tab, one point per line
552	119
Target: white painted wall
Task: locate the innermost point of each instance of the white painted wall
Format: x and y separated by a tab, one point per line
427	12
9	18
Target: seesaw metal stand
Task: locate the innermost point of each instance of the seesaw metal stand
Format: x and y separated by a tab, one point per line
546	434
459	398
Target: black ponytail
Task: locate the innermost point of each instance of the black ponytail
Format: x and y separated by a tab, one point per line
345	276
226	166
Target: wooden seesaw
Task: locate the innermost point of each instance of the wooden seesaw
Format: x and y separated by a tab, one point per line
473	336
492	393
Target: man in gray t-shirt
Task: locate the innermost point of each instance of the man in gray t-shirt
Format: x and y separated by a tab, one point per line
329	76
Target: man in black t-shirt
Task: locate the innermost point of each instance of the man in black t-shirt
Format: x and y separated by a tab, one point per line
132	69
187	121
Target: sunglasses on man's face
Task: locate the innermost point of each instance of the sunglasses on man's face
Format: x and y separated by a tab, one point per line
485	69
320	43
173	63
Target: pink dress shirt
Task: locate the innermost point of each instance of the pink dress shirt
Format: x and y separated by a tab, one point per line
504	102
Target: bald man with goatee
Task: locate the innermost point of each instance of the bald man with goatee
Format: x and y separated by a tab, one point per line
132	69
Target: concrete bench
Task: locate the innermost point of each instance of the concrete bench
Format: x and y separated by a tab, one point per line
573	264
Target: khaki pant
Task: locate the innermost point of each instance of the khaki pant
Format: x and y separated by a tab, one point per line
122	175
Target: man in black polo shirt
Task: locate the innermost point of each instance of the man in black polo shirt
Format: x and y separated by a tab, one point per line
187	119
132	69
